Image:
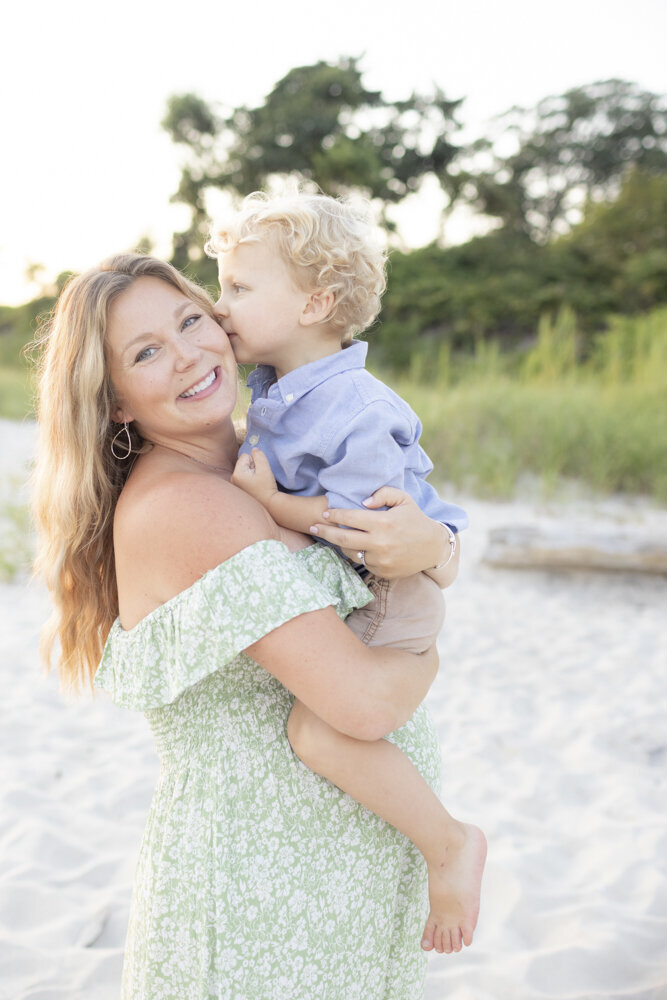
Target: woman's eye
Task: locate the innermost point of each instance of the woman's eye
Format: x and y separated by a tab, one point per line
145	354
190	321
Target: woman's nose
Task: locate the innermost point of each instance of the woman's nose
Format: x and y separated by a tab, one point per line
187	352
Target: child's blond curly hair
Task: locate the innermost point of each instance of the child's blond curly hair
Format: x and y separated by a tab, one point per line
329	244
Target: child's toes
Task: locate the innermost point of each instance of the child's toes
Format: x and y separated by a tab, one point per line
428	942
456	939
443	941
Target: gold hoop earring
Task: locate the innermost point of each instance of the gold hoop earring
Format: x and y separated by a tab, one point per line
123	430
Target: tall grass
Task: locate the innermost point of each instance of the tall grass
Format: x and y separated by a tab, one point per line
15	392
16	541
492	418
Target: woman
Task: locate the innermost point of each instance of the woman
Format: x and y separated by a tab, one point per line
256	878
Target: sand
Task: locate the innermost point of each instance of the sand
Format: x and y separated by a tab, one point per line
551	705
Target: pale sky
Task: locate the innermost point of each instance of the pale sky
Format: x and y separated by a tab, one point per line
87	170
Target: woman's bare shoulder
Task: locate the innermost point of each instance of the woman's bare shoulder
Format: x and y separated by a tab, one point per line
171	529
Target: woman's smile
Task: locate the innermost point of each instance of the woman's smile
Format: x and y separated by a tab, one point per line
210	381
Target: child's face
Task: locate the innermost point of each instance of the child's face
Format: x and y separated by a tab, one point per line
261	307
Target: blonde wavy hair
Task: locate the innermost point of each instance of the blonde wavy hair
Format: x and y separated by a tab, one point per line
77	480
328	244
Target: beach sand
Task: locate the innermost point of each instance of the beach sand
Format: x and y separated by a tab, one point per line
551	706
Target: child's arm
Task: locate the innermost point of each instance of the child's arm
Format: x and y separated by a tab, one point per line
253	475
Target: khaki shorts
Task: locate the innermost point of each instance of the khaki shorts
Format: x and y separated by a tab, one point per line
406	614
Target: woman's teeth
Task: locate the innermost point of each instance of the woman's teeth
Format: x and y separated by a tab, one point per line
204	384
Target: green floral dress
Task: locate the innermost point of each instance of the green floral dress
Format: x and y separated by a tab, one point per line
257	879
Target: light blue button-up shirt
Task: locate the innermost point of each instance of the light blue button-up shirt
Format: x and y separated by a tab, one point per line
332	427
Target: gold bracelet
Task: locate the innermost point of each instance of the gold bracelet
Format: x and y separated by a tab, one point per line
452	548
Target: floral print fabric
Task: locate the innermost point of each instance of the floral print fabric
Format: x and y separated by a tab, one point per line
257	879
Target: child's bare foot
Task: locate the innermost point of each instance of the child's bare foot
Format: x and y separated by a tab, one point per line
454	886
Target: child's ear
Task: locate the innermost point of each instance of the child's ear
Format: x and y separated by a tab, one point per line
318	308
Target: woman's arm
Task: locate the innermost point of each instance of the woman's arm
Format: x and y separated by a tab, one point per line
188	525
364	692
396	542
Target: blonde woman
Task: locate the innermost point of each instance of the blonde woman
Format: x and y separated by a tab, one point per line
256	878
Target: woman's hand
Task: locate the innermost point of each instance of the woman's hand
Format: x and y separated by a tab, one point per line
396	542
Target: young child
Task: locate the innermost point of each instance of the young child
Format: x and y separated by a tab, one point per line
299	276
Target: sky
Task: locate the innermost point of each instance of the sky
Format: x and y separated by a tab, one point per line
87	170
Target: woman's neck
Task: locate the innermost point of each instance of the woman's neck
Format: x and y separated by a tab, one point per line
216	450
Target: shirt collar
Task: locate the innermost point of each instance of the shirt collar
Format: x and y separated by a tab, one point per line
260	379
300	381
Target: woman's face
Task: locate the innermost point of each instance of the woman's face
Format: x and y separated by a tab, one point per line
171	364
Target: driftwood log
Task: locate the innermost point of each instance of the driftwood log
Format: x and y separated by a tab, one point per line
563	547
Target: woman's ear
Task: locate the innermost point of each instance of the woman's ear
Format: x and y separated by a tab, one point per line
318	307
119	416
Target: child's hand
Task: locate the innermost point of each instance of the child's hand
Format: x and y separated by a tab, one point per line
253	475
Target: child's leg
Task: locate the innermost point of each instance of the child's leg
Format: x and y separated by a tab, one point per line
382	778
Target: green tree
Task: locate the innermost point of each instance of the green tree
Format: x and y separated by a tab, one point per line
501	285
569	149
319	122
621	245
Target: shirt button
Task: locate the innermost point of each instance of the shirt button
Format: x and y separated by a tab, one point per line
289	397
263	411
253	439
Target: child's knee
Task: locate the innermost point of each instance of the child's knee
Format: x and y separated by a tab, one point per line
301	727
308	736
294	728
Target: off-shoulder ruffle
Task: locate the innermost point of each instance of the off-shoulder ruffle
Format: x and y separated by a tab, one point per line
221	614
